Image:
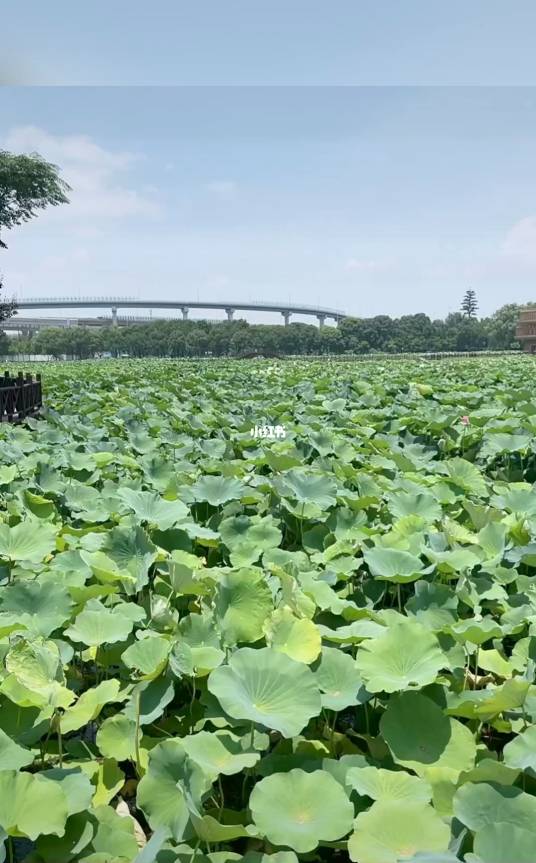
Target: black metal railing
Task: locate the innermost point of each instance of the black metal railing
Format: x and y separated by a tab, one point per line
20	396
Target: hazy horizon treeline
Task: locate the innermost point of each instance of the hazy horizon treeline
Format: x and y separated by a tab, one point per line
408	333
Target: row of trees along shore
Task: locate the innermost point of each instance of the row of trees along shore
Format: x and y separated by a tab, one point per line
409	333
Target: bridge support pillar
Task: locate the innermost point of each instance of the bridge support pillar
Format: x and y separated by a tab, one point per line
230	313
185	311
286	317
114	316
321	320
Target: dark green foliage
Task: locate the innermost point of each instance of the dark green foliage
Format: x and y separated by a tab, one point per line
27	184
381	334
317	648
7	310
469	304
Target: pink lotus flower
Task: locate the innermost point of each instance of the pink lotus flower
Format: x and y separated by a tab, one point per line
464	421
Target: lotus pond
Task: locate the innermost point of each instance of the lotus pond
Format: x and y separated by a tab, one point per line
321	647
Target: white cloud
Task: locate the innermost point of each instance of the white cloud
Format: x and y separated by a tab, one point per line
99	189
222	188
520	241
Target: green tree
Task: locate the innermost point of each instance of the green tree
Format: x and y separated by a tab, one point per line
7	307
469	305
51	340
81	342
501	326
27	184
331	340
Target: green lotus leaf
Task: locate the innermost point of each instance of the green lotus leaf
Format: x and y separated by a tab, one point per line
79	831
339	680
116	738
248	538
87	504
453	561
13	756
420	736
391	564
392	830
433	605
476	631
241	529
40	506
149	699
306	487
106	777
194	662
133	551
199	630
148	656
36	669
96	625
466	476
354	633
267	688
503	843
30	541
186	573
105	570
7	474
492	539
54	695
415	728
31	804
479	806
298	637
422	503
171	789
325	597
198	532
41	606
521	751
114	839
491	660
243	602
489	770
219	752
217	490
210	829
499	442
484	704
89	705
300	809
406	656
153	509
75	785
519	498
382	784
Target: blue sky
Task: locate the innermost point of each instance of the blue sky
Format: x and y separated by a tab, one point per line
380	42
373	200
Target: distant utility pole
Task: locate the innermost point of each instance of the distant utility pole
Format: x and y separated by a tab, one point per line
469	305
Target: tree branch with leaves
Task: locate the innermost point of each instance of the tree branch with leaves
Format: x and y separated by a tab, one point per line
28	184
7	307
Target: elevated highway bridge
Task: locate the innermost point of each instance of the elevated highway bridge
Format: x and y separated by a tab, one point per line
113	304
